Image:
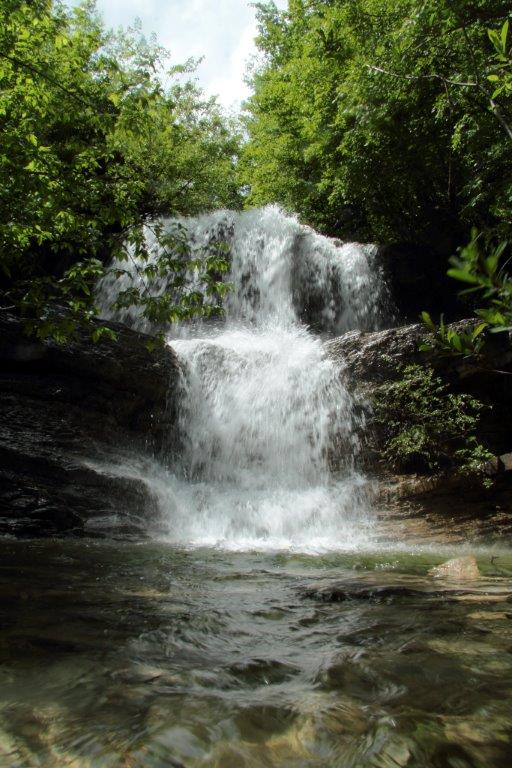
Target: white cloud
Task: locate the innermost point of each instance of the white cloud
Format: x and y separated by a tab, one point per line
220	31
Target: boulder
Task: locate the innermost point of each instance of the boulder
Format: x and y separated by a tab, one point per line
506	462
368	359
67	411
457	569
372	357
435	508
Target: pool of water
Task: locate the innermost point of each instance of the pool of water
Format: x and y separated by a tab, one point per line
145	655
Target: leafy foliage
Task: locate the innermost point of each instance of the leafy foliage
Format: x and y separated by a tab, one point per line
383	119
426	427
94	146
446	339
501	74
172	281
484	272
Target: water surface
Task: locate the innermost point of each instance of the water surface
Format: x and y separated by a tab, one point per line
148	655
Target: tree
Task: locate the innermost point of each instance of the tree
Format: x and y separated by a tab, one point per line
375	118
92	148
480	264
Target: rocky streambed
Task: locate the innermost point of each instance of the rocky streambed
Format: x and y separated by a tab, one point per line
146	656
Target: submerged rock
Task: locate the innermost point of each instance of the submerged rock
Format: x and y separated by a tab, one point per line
340	592
68	410
459	569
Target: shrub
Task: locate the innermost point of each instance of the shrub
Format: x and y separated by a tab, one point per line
426	428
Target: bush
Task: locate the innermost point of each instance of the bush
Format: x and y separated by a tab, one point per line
426	428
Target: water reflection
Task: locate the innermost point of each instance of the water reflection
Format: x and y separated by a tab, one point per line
150	656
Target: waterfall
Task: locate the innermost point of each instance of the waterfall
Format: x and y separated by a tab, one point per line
269	438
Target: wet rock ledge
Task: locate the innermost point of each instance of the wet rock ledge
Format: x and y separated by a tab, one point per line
65	410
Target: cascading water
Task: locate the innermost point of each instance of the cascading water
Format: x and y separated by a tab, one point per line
268	425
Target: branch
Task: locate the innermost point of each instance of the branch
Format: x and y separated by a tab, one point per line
400	76
470	371
72	94
495	109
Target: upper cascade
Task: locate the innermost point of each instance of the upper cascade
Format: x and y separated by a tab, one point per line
280	271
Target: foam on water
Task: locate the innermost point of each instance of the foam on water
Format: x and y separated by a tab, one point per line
269	440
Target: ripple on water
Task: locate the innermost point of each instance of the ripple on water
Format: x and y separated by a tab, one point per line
149	656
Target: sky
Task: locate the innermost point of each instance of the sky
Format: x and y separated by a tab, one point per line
220	31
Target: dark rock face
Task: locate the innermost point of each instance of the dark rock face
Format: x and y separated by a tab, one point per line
374	357
416	274
439	509
426	508
63	408
370	358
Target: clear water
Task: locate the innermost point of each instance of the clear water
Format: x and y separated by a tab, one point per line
145	656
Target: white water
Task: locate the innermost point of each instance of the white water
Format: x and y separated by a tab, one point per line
268	425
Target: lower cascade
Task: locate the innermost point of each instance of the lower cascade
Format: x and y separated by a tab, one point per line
268	426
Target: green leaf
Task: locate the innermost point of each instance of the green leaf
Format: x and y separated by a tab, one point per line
463	275
504	34
480	328
425	316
